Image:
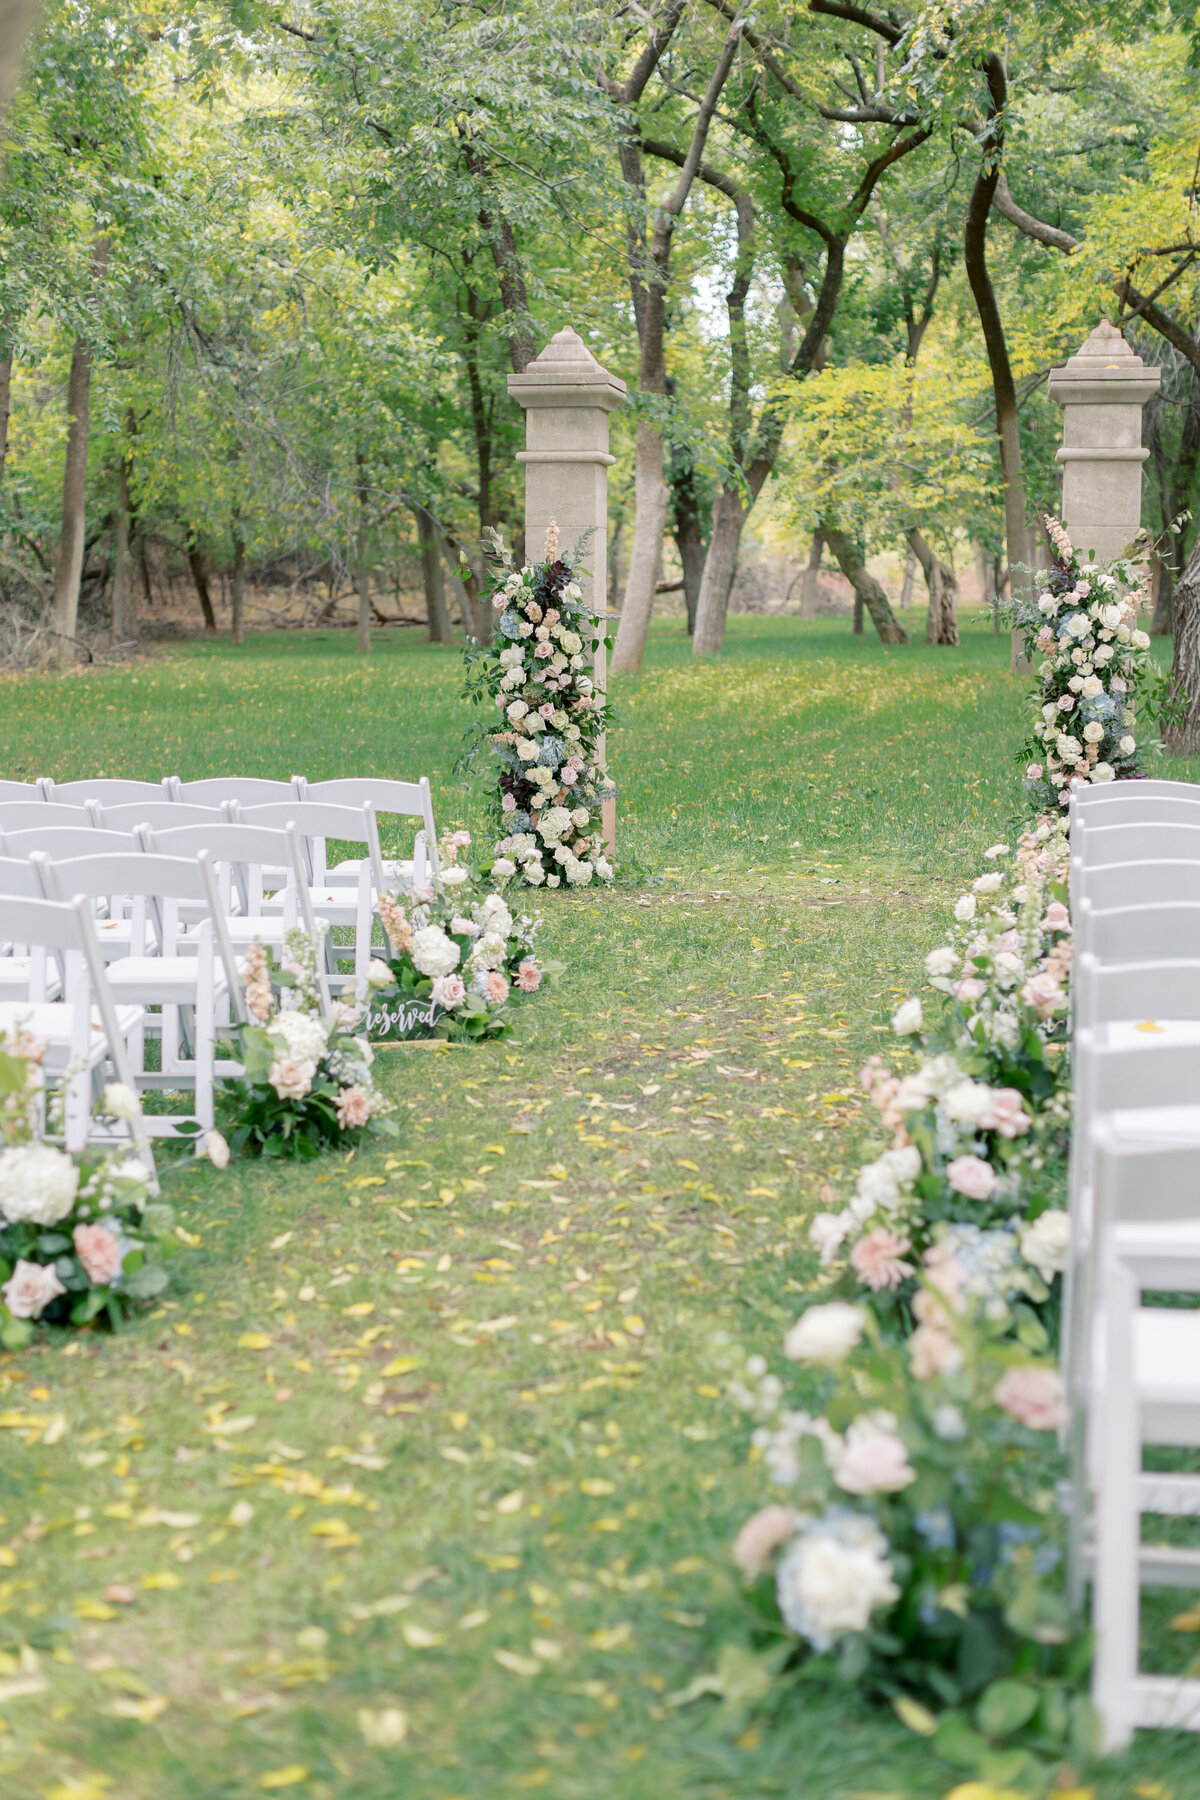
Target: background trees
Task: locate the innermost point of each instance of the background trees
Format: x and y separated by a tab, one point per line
263	272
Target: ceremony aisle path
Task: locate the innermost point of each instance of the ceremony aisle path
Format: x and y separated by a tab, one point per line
421	1482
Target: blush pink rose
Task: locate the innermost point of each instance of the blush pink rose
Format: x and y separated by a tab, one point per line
878	1259
100	1253
353	1108
971	1176
449	991
760	1537
872	1460
1044	994
1033	1396
1056	917
30	1289
529	977
934	1350
291	1080
495	987
969	988
1006	1113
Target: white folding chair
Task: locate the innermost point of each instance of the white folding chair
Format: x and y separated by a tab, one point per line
20	791
196	989
1153	933
1109	885
19	879
69	839
106	790
1096	799
239	853
403	799
86	1028
1146	1390
345	906
1132	807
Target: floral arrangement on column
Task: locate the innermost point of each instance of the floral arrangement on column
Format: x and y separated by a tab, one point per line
914	1542
457	956
536	673
80	1237
306	1082
1094	672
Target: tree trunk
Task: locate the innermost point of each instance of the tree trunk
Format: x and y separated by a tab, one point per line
906	586
1183	739
810	591
64	612
1163	593
941	623
431	575
720	567
237	584
123	622
464	585
645	558
5	407
688	535
865	585
1003	387
857	624
362	571
199	568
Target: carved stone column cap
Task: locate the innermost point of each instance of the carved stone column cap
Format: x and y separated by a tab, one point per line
566	373
1104	371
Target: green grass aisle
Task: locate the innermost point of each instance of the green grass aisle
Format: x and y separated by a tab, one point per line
422	1481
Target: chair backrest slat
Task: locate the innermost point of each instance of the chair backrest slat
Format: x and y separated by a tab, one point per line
20	791
318	820
64	840
1129	934
107	790
1144	993
251	790
1092	799
18	815
167	813
406	799
18	877
1113	885
1154	1074
1135	841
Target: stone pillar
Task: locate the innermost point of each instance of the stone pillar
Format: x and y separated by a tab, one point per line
1102	390
567	397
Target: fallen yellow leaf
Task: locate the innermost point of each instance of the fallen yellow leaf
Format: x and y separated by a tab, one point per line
254	1340
401	1365
165	1578
144	1711
291	1776
360	1310
510	1503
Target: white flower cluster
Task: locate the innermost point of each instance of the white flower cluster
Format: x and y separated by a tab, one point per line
1084	624
551	782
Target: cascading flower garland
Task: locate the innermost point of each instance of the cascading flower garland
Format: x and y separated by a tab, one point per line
537	673
1094	668
916	1545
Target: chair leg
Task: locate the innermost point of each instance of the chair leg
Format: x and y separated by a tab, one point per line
1116	1582
205	1036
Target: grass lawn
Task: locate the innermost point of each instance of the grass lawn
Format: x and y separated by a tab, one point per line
442	1429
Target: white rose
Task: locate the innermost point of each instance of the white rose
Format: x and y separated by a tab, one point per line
1093	731
833	1577
1050	711
517	711
534	874
1078	625
987	884
454	877
378	974
503	866
433	952
580	816
825	1333
964	908
1103	653
907	1018
303	1033
942	961
1103	772
38	1184
1127	745
527	750
291	1078
968	1103
1139	640
1046	1242
30	1289
121	1102
1092	687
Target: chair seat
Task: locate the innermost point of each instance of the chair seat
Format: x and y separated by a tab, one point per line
156	979
347	872
1166	1349
1130	1034
54	1022
14	978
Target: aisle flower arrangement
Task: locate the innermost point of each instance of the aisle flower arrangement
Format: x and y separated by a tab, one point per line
969	1184
80	1237
550	782
1095	673
306	1084
458	955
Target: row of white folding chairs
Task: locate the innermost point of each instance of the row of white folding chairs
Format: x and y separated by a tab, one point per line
405	799
182	830
1133	1371
186	969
